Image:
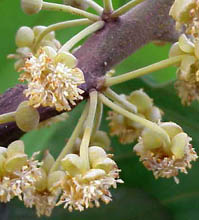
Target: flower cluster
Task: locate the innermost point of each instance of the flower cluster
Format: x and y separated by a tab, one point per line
188	71
17	172
46	189
127	130
186	13
53	79
84	189
163	160
25	41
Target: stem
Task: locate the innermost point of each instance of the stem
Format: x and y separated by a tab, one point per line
143	71
125	8
69	146
148	124
7	117
88	130
118	99
95	6
60	25
70	9
84	33
108	6
98	119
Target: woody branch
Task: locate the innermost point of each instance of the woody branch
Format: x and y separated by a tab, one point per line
118	39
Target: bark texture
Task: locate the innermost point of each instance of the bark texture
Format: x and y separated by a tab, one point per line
102	51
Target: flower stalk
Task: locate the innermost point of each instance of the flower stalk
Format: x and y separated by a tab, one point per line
7	117
88	130
95	6
146	123
118	99
98	119
69	9
81	35
108	6
143	71
71	142
125	8
59	26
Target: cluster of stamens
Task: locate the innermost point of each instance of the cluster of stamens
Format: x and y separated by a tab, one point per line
53	79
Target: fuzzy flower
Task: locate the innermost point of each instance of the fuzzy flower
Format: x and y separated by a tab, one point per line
166	161
127	130
186	13
53	79
25	41
187	83
85	189
17	172
46	189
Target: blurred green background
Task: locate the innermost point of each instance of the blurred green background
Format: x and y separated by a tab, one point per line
141	197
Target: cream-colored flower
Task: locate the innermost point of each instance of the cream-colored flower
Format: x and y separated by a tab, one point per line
166	161
187	83
85	189
127	130
25	41
46	189
17	172
53	79
186	13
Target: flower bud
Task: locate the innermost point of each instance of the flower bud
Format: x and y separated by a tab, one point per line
54	179
24	37
151	140
175	50
179	143
41	180
16	147
27	117
171	128
186	66
154	114
50	52
66	58
31	6
24	51
105	164
16	162
48	161
141	100
180	10
185	44
102	139
2	162
3	151
196	51
18	64
38	29
94	174
72	163
96	153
